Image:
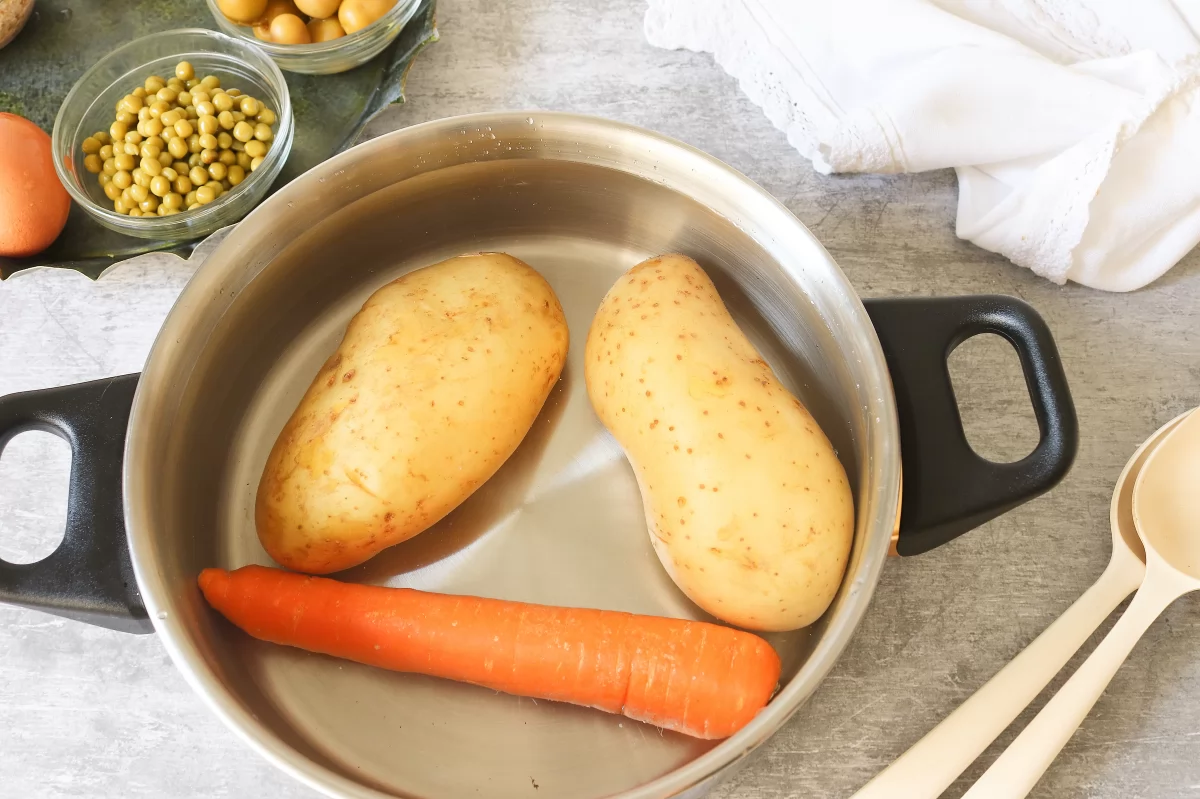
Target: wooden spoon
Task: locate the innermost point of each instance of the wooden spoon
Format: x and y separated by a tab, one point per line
1166	509
935	761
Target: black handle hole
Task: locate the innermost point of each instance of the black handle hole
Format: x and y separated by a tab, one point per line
35	470
993	400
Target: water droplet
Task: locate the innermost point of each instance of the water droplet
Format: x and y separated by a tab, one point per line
463	132
290	205
321	180
162	614
529	120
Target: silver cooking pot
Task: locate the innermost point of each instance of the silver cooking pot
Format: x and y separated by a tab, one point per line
166	465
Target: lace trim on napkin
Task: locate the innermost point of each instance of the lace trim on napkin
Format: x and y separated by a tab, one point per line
1038	226
789	93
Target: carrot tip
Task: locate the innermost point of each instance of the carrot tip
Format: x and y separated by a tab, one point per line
213	583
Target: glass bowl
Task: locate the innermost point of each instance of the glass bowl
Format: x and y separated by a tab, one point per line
89	108
326	58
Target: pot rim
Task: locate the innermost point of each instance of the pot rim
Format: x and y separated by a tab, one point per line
789	240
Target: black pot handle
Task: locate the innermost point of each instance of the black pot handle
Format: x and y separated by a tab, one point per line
948	488
89	577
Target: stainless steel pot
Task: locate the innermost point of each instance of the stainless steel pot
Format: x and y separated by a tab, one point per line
167	465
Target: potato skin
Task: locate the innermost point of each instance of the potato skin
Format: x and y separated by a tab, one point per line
437	380
747	505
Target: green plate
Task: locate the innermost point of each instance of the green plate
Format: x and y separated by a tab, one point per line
65	37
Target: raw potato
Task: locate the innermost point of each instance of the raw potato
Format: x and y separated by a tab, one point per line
244	11
747	505
13	16
358	14
288	29
325	30
436	382
319	9
262	28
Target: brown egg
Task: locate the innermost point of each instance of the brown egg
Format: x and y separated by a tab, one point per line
243	11
324	30
262	28
358	14
33	203
289	29
319	9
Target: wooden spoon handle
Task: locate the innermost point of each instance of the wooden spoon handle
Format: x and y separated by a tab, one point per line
1022	764
935	761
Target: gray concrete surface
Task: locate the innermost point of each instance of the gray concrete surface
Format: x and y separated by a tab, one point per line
88	713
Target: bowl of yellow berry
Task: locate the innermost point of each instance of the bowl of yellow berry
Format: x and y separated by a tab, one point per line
316	37
174	135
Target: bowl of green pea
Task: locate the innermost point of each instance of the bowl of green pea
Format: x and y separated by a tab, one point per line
174	135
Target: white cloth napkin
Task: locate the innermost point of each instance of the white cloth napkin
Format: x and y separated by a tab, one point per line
1073	125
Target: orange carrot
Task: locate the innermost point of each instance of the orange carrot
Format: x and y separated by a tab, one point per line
693	677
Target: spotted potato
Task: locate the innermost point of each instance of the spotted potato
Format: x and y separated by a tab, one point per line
748	507
437	380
